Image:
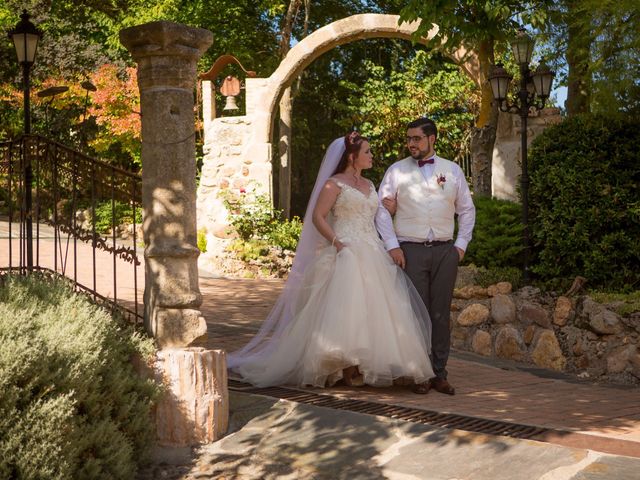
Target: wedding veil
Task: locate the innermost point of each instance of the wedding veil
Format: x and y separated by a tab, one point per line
310	242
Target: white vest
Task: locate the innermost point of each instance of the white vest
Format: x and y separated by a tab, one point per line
425	204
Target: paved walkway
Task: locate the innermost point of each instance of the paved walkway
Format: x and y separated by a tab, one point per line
281	440
599	417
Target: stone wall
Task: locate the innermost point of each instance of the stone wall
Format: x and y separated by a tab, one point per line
507	152
574	335
230	163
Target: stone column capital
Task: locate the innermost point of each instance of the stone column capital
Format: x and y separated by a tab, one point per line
166	52
165	38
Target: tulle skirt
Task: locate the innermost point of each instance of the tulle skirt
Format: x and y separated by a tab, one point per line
355	307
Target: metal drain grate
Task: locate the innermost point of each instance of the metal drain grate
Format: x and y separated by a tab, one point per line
415	415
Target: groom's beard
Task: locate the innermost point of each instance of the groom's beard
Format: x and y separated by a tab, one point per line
422	154
419	155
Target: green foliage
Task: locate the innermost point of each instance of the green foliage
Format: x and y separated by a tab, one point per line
251	215
596	46
585	208
624	303
497	235
389	99
490	276
202	240
286	233
474	21
123	214
71	404
247	250
253	218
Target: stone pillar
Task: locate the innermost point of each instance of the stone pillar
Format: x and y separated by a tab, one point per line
208	104
167	54
194	407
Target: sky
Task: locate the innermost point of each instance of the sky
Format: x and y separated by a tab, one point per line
560	94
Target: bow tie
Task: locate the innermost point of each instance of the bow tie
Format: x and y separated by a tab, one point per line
421	163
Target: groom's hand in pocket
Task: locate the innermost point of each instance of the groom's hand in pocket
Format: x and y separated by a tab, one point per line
460	253
397	256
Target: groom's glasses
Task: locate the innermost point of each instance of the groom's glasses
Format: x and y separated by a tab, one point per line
415	139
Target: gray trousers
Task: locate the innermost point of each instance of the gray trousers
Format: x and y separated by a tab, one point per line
433	271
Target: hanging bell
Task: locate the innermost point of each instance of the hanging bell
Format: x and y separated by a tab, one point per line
231	103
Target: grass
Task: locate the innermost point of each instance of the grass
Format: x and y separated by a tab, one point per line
625	303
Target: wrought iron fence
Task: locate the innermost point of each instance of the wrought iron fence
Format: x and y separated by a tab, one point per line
69	214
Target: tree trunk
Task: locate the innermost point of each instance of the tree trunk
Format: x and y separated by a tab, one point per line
284	127
194	407
482	141
483	136
578	50
284	176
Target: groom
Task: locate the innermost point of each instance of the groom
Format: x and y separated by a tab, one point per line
423	193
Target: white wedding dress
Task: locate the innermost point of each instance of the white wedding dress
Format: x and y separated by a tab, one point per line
355	307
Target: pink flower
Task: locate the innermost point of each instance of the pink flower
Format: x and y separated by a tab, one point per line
441	180
242	190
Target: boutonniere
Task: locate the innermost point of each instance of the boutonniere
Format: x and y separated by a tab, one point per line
441	179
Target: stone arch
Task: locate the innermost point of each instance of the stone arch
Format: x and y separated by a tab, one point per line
238	149
340	32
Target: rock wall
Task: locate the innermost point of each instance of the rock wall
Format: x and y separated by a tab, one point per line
576	335
230	163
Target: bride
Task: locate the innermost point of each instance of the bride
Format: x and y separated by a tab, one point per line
347	312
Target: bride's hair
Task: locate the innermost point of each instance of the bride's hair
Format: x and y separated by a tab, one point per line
352	143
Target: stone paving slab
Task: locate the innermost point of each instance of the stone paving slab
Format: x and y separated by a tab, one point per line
283	440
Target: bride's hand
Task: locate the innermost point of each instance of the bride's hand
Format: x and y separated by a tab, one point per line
391	204
339	245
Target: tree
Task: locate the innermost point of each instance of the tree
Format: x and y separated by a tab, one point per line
595	48
427	84
285	106
116	108
481	26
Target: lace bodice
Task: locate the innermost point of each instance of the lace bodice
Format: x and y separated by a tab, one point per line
354	214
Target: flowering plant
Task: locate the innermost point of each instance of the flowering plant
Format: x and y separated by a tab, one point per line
441	180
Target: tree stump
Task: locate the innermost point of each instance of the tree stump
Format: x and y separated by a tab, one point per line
194	409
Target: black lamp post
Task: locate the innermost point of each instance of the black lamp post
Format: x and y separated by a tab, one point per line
531	84
25	39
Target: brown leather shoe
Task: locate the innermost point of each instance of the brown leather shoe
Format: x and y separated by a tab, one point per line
421	388
442	385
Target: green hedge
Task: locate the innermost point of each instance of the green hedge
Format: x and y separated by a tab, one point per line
71	404
585	202
497	235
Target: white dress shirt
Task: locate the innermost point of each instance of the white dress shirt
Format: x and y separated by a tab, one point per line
464	208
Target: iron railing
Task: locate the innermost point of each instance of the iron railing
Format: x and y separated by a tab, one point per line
69	214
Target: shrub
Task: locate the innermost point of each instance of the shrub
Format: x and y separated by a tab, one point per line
285	234
71	404
250	249
202	240
585	207
123	214
497	236
253	218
